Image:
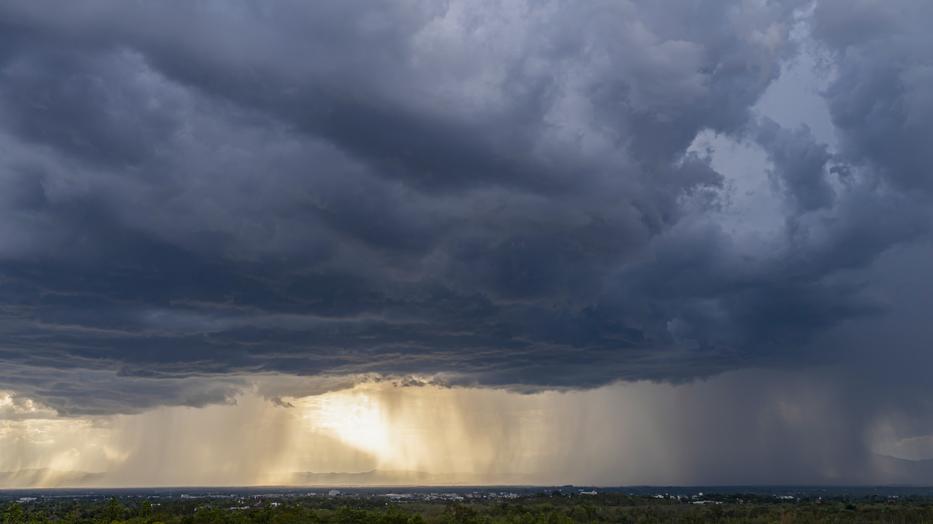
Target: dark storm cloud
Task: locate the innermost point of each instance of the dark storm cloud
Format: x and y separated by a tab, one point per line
498	194
800	164
881	102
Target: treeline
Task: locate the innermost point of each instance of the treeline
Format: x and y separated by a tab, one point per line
528	510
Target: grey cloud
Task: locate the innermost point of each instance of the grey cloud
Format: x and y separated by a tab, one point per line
497	195
799	163
880	100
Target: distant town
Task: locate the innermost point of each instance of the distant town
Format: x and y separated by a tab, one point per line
493	504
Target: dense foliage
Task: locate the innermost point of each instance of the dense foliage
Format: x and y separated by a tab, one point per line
544	508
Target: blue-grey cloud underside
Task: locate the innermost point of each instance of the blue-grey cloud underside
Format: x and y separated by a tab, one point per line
503	195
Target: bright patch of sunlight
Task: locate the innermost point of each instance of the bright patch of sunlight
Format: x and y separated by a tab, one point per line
355	418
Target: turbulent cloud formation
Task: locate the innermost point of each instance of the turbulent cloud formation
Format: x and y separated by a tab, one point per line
498	193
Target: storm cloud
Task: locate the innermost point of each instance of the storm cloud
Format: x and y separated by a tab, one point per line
504	194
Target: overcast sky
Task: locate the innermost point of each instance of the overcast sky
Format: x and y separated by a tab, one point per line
699	232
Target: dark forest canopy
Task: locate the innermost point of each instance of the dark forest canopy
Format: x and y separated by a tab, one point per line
546	507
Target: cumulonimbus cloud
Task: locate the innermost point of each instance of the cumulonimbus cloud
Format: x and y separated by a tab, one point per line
499	193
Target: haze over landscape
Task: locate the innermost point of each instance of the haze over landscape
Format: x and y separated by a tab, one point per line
421	242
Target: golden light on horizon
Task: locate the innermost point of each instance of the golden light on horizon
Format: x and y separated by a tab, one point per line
431	434
355	418
425	435
454	433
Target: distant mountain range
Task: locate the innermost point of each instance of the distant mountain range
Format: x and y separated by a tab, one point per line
46	478
399	478
886	470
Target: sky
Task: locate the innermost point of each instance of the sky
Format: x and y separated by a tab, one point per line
439	242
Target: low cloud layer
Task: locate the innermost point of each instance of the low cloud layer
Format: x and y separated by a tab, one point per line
501	194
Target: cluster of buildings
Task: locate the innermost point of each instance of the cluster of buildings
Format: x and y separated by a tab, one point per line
450	497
